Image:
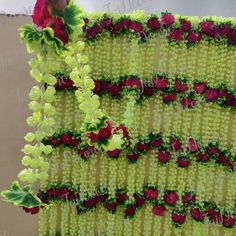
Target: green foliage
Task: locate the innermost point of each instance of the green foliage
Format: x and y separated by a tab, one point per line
21	196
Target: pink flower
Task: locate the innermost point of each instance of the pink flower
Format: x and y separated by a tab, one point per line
66	139
182	162
136	27
114	154
188	102
188	198
178	218
163	157
168	19
197	214
181	87
193	38
200	88
160	83
158	210
185	25
211	95
130	211
153	24
168	98
176	35
192	145
151	194
171	198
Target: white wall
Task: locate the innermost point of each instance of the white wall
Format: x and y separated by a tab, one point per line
184	7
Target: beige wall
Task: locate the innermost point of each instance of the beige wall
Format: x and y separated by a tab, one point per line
14	88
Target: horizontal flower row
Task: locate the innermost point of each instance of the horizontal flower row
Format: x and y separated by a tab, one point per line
168	149
178	90
177	28
179	206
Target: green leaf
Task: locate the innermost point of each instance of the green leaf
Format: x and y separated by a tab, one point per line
21	196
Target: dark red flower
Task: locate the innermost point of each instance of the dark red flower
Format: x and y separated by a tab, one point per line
91	203
228	221
212	94
160	83
156	143
151	194
202	157
213	150
224	160
105	86
153	23
175	144
192	145
136	27
182	162
111	206
193	38
158	210
200	88
168	98
127	22
178	218
64	193
139	201
143	147
41	12
188	198
54	141
75	142
232	37
230	99
214	216
90	33
102	197
197	214
123	129
52	192
96	28
98	87
106	23
181	87
32	211
114	154
168	19
66	139
130	211
185	25
117	27
115	90
171	198
176	35
133	83
207	27
105	133
163	157
121	198
72	196
132	157
148	91
188	102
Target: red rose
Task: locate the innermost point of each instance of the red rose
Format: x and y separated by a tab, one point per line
156	143
175	144
228	221
168	98
115	90
176	35
151	194
75	142
114	154
192	145
182	162
54	142
143	147
136	27
158	210
133	83
200	88
91	203
153	24
160	83
197	214
32	211
132	157
105	133
171	198
52	192
232	37
188	198
207	27
148	91
123	129
178	218
193	38
212	95
111	206
185	25
130	211
188	103
66	139
181	87
106	23
163	157
168	19
121	198
139	201
202	157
